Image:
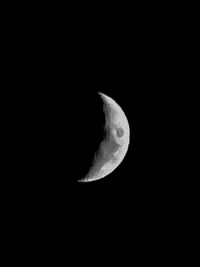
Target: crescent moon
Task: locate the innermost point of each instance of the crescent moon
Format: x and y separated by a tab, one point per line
113	149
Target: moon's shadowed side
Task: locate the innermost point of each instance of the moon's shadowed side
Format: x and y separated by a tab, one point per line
91	134
68	136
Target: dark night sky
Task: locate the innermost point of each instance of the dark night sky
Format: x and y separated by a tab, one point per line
65	113
61	112
54	118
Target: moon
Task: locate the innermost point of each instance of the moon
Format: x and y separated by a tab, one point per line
113	149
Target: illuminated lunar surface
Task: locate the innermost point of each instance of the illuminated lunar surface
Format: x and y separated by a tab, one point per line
113	149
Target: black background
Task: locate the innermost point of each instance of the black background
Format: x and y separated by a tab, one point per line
60	117
57	109
55	116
